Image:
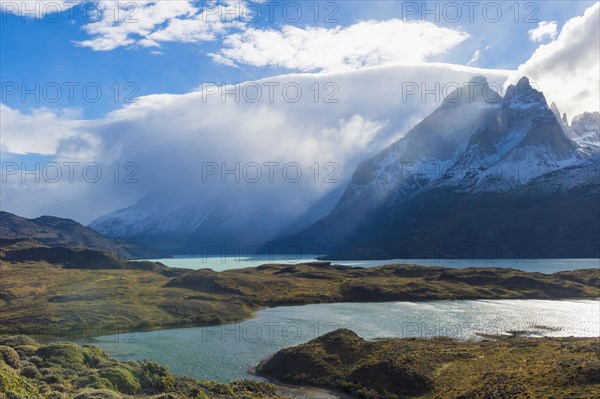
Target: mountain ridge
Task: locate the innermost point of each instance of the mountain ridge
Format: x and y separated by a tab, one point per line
66	233
515	180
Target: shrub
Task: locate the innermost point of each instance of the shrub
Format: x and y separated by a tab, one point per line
35	360
92	380
94	356
31	372
17	340
10	356
97	394
253	386
51	375
66	355
13	385
155	377
25	350
121	379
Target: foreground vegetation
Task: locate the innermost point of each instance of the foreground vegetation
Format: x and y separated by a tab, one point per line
85	293
29	370
442	368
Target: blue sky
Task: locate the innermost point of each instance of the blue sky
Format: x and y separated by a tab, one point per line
44	49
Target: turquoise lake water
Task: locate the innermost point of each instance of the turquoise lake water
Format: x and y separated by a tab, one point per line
225	353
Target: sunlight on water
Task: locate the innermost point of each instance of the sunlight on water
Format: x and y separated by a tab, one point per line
224	353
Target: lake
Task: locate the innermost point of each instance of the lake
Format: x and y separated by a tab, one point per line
219	263
224	353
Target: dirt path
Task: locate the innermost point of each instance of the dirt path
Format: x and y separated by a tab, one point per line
302	391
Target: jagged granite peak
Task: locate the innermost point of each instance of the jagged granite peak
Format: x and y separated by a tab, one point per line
563	118
511	171
555	110
428	149
585	131
523	94
477	90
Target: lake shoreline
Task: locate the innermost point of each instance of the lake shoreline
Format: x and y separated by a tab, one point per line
231	349
94	302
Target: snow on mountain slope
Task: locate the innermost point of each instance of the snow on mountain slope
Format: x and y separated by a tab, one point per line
427	150
152	215
585	131
512	157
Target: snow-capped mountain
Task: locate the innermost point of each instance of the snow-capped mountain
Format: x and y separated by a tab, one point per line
203	224
584	130
501	171
149	215
491	170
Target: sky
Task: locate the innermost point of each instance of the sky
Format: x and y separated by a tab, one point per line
134	88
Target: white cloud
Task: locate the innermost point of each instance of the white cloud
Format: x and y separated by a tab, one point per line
150	23
125	23
46	132
545	30
179	132
363	44
566	69
476	56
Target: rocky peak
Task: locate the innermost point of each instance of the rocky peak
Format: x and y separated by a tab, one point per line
523	95
585	131
477	90
588	121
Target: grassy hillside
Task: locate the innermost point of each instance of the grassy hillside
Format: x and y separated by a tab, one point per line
271	285
29	370
516	368
91	293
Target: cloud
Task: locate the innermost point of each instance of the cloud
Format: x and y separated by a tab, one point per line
44	131
363	44
476	56
339	118
150	23
566	69
545	30
128	23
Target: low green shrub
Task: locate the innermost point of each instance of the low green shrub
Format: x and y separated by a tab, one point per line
121	379
9	356
64	354
97	394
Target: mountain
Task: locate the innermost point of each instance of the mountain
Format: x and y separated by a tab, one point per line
485	176
66	233
203	225
585	131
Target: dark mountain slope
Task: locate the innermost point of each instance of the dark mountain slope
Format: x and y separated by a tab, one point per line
58	232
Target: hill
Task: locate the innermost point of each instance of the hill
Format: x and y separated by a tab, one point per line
515	368
58	232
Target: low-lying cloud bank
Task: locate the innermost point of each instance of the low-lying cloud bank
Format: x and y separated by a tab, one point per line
324	123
